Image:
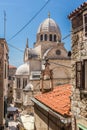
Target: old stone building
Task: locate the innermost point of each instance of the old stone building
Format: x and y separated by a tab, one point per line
3	77
48	45
52	109
11	78
79	67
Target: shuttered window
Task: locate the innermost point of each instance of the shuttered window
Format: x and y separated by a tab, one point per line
79	75
85	74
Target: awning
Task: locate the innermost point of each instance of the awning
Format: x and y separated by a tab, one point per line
12	109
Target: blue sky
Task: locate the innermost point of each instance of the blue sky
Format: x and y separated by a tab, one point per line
19	12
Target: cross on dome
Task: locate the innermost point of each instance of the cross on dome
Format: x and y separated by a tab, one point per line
49	15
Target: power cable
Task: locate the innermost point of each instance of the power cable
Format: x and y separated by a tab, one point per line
72	32
60	64
75	30
16	48
29	21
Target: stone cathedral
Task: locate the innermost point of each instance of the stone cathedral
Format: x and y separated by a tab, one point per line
49	46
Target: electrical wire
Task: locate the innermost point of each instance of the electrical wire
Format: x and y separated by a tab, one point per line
29	21
60	64
15	48
72	32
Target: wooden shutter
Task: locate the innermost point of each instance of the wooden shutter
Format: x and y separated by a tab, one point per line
79	75
85	74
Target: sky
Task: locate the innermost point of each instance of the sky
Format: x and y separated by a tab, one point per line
22	22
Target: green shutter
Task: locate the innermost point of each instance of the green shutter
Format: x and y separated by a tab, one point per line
82	127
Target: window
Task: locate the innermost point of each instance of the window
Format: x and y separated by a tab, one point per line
62	128
36	76
55	38
85	74
58	52
41	37
79	74
24	82
85	24
50	37
45	37
13	78
18	95
18	82
9	78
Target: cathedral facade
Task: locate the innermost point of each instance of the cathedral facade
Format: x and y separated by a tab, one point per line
49	46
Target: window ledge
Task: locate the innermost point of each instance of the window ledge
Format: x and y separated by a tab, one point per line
84	91
83	94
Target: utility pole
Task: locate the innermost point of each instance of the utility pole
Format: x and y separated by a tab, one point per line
4	24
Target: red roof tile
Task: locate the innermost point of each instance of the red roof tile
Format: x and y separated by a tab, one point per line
11	67
58	99
77	10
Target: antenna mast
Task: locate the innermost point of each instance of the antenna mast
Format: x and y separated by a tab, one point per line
4	24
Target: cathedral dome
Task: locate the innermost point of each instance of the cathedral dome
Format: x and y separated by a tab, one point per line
23	69
49	26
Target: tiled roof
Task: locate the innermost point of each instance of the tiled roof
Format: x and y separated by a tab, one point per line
77	10
58	99
11	67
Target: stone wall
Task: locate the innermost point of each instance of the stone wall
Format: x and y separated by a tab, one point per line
46	121
79	53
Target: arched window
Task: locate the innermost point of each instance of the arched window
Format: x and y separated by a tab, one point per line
41	37
18	82
54	38
50	37
24	82
45	37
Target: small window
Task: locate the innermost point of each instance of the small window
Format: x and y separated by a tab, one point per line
58	52
50	37
55	38
18	95
79	75
41	37
24	82
18	82
85	74
45	37
62	128
9	78
36	76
